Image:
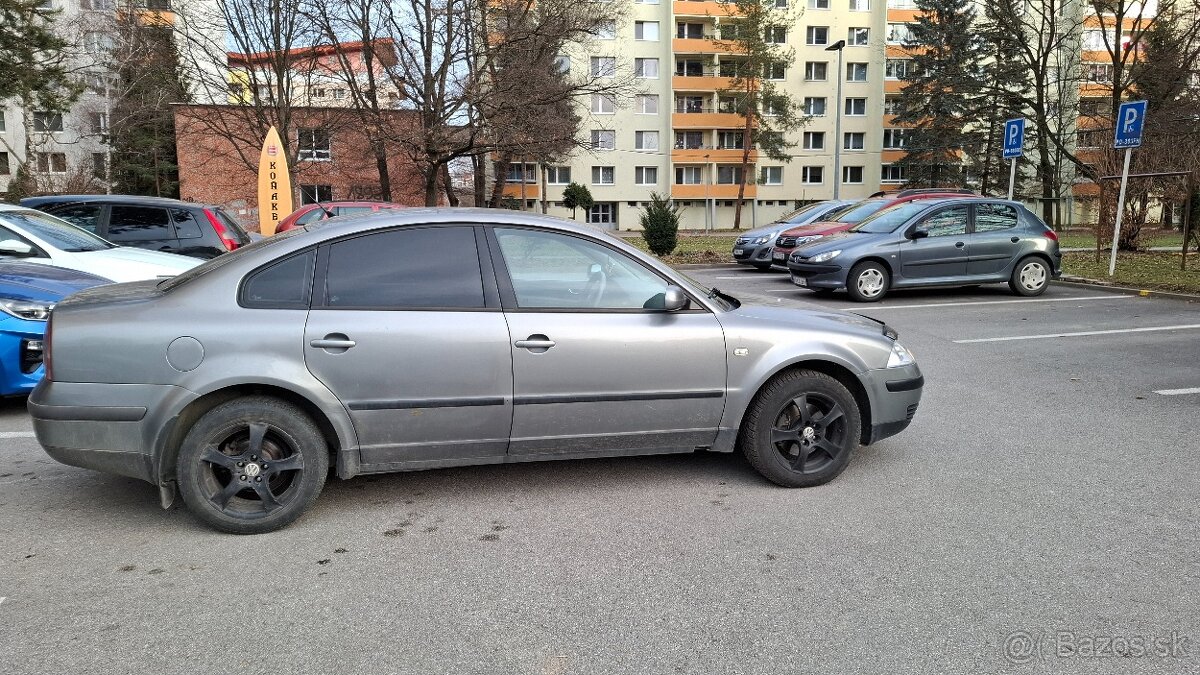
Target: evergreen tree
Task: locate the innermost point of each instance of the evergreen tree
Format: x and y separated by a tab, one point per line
32	62
660	224
576	196
941	91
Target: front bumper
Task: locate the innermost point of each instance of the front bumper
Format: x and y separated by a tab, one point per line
20	355
819	275
895	394
752	254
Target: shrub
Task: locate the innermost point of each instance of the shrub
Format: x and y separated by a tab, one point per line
660	224
577	196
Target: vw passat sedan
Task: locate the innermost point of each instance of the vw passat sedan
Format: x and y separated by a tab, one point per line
934	242
446	337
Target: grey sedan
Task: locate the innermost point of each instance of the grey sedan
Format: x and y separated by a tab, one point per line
936	242
446	337
754	247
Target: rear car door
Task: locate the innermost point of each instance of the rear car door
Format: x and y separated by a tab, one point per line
141	226
407	333
189	231
996	239
86	216
595	368
942	253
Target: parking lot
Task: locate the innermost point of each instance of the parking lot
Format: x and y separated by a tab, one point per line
1044	496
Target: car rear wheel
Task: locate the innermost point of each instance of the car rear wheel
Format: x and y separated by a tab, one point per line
252	465
1030	277
801	429
868	281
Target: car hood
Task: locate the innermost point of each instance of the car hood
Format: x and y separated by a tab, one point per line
835	320
132	264
837	240
819	228
27	281
762	231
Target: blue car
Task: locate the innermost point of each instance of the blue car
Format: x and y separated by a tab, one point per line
28	292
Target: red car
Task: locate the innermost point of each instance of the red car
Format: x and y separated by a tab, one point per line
311	213
799	236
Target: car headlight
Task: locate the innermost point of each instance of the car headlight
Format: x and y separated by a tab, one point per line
900	356
828	255
765	239
24	309
800	241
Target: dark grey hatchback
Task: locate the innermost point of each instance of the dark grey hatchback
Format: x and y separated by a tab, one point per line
942	242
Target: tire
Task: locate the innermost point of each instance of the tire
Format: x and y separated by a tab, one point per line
219	452
762	267
1030	276
868	281
775	432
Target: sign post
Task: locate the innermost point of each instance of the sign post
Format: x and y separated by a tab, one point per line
1131	120
1014	147
274	185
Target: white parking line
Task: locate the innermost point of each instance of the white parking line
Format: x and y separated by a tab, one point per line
1178	392
1107	296
737	277
1147	329
16	434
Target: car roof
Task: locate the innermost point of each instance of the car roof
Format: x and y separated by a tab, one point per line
448	214
113	199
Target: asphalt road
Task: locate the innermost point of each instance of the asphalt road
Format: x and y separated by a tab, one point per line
1043	502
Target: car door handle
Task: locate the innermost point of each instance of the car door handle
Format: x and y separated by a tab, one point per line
333	341
959	244
535	342
1015	240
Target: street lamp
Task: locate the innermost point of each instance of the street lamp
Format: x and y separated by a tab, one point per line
837	121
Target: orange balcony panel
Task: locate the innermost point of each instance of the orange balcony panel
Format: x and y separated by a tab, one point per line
702	155
707	120
711	191
702	8
1095	89
703	83
1127	24
702	46
532	190
897	51
889	156
892	86
902	15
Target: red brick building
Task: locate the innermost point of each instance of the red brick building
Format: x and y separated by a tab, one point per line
329	153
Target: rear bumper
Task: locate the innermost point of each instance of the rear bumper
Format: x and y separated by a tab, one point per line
895	394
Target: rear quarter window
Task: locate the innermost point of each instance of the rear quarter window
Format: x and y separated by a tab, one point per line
286	284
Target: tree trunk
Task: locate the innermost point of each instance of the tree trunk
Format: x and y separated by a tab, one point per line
498	180
432	174
545	196
448	186
737	209
381	163
479	180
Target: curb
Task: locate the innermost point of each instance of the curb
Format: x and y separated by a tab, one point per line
1099	285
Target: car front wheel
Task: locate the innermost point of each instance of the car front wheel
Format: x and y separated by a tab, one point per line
868	281
801	429
252	465
1030	277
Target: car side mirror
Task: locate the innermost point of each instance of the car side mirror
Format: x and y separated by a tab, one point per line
919	234
16	249
674	299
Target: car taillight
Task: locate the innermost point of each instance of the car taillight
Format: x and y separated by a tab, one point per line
49	374
1051	235
229	242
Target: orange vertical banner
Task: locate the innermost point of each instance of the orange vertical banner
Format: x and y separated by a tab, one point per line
274	185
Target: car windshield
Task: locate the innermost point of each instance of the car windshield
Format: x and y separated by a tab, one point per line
226	258
889	219
801	212
57	233
859	212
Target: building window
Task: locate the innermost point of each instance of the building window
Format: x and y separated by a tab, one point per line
860	5
856	72
645	140
775	71
812	175
729	175
603	104
858	37
1098	72
852	174
771	175
776	35
339	94
814	140
894	139
689	104
314	194
688	175
52	162
604	66
645	30
689	31
892	173
602	214
97	43
518	173
647	104
689	140
816	71
854	140
604	139
647	68
646	2
898	33
313	145
558	175
100	165
897	69
816	35
856	107
4	168
99	122
1	120
892	105
781	4
47	121
645	175
731	140
604	175
901	4
606	30
818	4
814	106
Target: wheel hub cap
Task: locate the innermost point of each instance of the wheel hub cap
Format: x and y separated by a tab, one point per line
253	469
809	433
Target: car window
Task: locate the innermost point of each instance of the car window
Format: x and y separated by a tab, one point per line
283	285
138	223
945	223
410	268
802	212
860	211
7	235
86	216
351	210
311	217
186	226
57	233
559	271
887	220
993	217
214	264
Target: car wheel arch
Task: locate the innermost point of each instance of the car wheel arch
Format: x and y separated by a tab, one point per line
882	261
838	371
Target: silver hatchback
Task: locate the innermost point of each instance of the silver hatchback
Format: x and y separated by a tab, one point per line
446	337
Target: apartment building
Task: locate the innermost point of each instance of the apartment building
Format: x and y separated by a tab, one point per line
69	151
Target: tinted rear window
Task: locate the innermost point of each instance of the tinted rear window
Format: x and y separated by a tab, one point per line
138	223
283	285
226	258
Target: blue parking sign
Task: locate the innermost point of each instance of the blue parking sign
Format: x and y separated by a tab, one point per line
1131	120
1014	138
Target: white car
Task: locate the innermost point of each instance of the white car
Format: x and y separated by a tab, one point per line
37	237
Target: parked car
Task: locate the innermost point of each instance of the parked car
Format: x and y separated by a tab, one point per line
311	213
848	218
754	247
154	223
27	294
429	338
40	238
933	242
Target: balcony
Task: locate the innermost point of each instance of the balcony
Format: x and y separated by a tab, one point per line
532	190
702	154
702	8
701	45
707	80
709	191
706	118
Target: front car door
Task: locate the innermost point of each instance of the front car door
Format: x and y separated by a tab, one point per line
995	240
407	334
596	369
942	251
85	216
